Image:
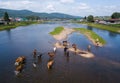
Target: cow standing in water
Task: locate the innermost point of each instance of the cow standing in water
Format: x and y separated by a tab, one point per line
50	63
20	60
34	53
54	49
34	64
51	54
65	43
75	47
65	50
19	64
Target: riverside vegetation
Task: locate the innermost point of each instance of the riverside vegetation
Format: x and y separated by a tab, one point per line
111	27
16	24
91	35
57	30
88	33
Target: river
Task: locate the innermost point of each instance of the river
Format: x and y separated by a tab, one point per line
103	68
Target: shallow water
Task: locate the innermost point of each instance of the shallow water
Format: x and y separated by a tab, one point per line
104	68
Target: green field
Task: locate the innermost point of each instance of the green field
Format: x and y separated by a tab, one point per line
57	30
115	25
91	34
113	28
16	24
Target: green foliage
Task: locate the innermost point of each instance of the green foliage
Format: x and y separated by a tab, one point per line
6	17
16	24
91	34
115	15
90	18
24	13
85	17
115	25
33	17
112	28
57	30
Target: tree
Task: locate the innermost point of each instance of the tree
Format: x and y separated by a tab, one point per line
33	17
115	15
90	18
85	17
6	17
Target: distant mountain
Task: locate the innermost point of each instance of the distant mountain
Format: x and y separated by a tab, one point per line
24	13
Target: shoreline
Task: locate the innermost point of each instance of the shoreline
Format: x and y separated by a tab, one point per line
66	31
103	27
64	34
82	53
16	24
93	41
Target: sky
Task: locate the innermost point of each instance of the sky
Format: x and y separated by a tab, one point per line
72	7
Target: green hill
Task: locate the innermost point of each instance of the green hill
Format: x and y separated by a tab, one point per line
24	13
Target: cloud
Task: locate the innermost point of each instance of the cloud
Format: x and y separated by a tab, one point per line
73	7
15	4
67	1
50	7
83	6
26	2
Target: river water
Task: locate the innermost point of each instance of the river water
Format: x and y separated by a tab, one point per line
103	68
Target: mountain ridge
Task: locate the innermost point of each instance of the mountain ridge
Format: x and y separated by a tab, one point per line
25	13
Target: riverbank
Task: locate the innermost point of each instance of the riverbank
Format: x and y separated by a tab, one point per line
16	24
113	28
92	36
61	33
82	53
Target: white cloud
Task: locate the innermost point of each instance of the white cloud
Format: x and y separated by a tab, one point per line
67	1
50	7
107	10
26	2
83	6
15	4
73	7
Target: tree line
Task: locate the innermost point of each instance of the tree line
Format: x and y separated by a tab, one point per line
90	18
115	15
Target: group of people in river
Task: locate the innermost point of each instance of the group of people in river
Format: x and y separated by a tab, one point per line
20	61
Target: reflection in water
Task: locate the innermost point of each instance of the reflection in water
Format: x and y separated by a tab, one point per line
89	28
67	58
78	69
112	34
9	33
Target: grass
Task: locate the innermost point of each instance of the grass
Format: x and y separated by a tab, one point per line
112	28
91	34
16	24
57	30
115	25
